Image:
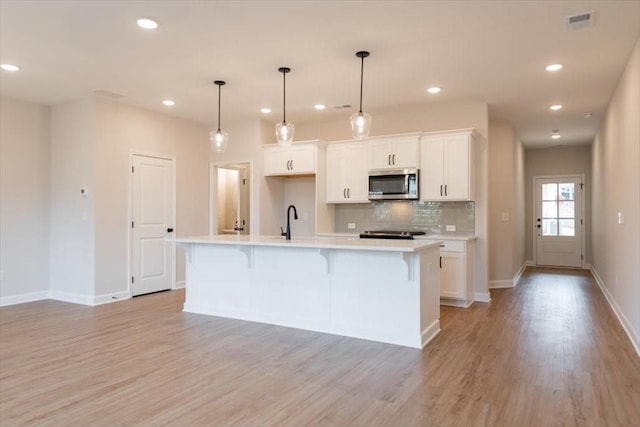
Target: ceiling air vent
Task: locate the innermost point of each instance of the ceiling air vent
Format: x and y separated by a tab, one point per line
108	94
342	106
579	21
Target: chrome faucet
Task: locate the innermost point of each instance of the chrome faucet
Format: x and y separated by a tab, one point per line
287	234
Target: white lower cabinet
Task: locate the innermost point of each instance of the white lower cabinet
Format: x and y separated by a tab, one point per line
456	273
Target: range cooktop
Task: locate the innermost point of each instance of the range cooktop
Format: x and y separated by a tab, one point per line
390	234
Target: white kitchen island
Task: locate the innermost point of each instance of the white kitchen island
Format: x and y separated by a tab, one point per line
380	290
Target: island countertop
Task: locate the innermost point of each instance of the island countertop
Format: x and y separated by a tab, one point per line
347	243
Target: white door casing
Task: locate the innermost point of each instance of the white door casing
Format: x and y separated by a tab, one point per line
558	223
153	219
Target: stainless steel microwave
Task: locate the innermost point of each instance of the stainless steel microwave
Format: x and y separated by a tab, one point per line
394	184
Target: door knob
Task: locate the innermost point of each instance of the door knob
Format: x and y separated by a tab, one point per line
169	230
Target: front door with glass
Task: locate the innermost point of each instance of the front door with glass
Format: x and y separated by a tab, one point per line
558	223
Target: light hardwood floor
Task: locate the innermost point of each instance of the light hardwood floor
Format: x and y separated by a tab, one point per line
549	352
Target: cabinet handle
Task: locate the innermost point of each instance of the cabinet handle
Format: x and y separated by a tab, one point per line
291	164
344	193
393	159
348	193
445	189
389	159
288	165
440	262
440	190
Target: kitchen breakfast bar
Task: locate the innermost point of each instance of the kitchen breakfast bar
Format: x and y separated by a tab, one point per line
380	290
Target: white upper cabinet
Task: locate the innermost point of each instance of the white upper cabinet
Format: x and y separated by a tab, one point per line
395	152
296	159
446	166
348	172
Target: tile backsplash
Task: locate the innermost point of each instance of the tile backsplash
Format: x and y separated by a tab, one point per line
431	217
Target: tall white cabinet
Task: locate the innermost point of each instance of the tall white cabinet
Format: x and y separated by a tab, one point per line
446	166
347	174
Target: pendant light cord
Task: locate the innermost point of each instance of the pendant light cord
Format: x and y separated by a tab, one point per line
219	91
361	79
284	97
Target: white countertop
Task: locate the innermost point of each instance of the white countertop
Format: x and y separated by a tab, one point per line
350	243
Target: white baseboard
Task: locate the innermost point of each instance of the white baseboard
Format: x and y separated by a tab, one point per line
529	263
520	272
109	298
626	325
22	298
71	297
493	284
482	296
180	284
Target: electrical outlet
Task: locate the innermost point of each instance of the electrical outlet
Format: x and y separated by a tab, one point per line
621	217
351	226
451	228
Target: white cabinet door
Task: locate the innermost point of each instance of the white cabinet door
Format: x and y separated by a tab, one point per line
337	173
457	167
396	153
432	168
302	159
359	166
446	169
297	159
452	276
348	173
405	153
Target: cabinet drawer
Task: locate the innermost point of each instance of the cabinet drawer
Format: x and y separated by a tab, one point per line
452	246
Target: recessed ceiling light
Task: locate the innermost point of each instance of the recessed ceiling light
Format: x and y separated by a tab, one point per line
265	110
147	24
319	106
10	67
553	67
434	89
169	102
555	107
555	136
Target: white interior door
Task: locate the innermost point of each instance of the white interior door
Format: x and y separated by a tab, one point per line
152	221
558	221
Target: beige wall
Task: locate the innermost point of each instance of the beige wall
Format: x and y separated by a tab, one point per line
72	216
616	188
24	200
557	161
122	130
506	193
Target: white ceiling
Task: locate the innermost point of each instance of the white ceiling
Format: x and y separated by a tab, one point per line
489	51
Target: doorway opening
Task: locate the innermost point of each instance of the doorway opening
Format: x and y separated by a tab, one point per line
230	199
558	221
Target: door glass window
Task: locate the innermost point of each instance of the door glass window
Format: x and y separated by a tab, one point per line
558	209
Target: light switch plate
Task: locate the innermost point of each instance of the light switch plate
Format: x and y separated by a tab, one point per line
351	226
505	216
451	228
620	217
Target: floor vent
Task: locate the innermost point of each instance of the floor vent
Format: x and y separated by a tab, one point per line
579	21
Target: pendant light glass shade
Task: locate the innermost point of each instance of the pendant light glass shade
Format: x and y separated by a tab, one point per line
284	133
361	122
360	125
284	130
218	139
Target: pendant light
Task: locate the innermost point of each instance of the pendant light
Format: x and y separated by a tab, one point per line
284	130
219	139
361	122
